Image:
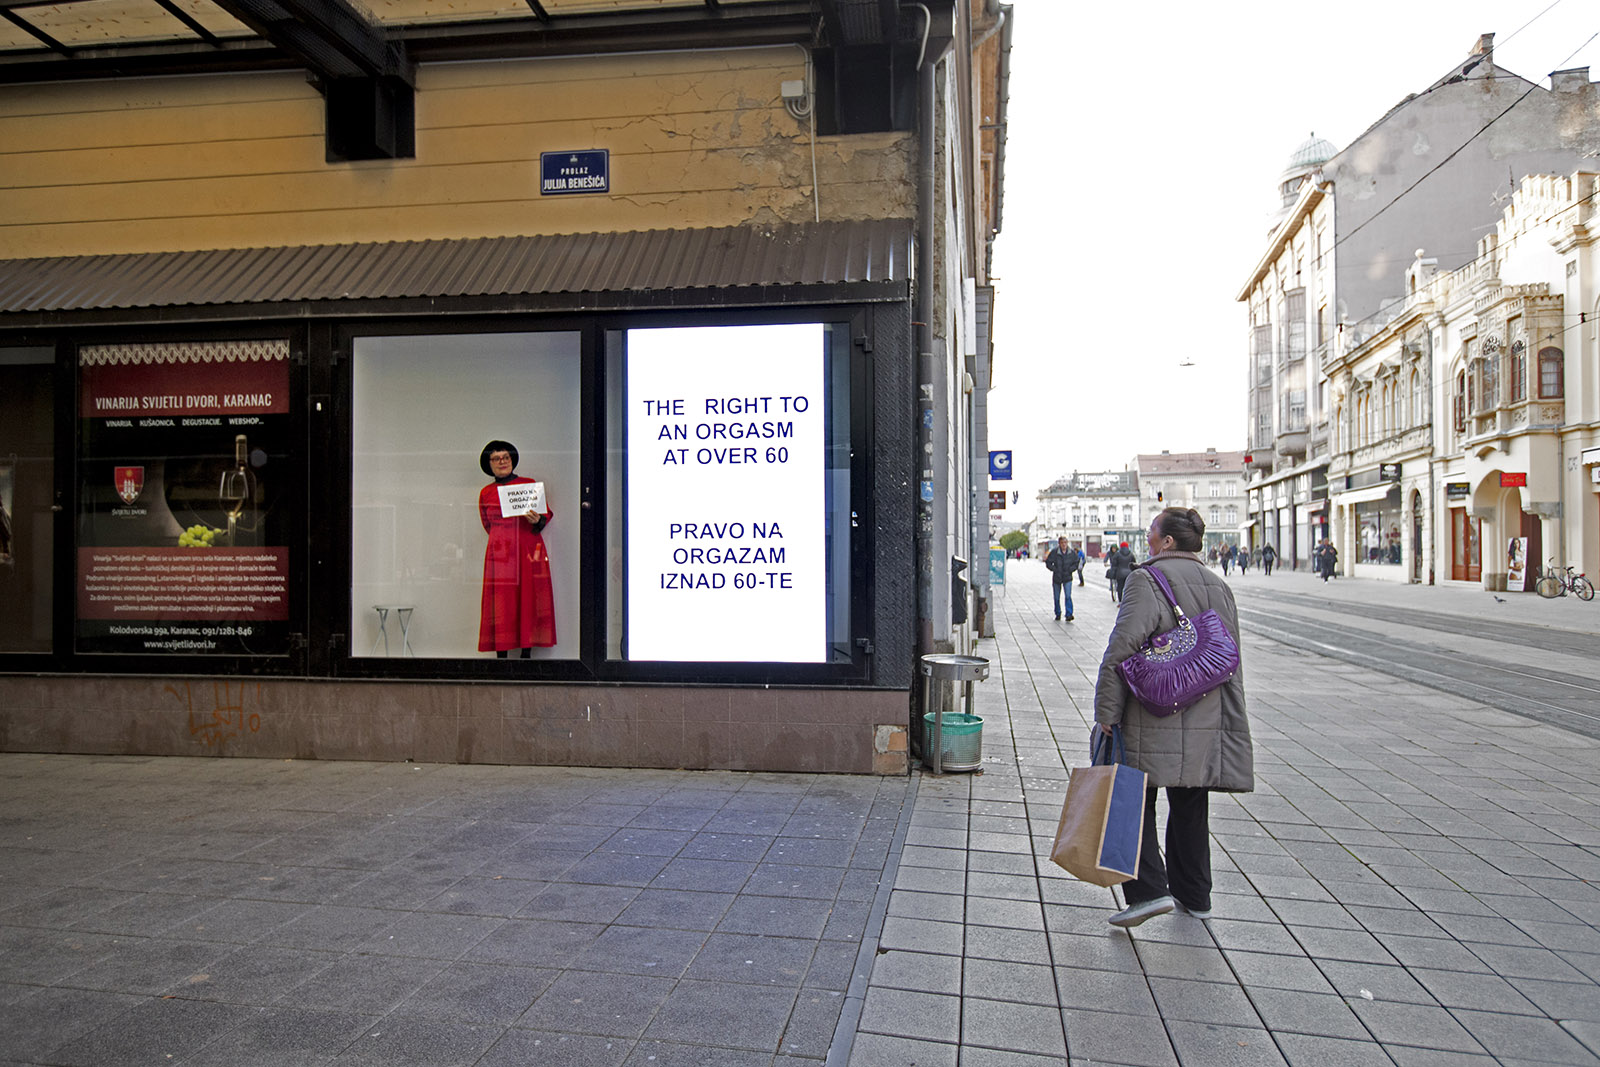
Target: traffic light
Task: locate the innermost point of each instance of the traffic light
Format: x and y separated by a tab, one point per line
1158	496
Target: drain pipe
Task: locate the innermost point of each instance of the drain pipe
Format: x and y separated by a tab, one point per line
922	325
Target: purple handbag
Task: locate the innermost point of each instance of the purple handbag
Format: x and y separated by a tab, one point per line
1175	669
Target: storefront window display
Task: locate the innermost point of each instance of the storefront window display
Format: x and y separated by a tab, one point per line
465	483
1378	524
729	471
183	528
27	491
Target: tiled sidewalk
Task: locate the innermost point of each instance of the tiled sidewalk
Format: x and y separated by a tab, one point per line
228	913
1414	882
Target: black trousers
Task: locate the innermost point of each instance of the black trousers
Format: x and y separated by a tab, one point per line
1186	874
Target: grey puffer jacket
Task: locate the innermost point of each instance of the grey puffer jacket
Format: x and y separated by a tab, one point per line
1206	745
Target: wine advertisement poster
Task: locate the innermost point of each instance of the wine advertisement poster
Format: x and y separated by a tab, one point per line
183	470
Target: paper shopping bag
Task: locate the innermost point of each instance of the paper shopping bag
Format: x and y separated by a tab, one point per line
1102	822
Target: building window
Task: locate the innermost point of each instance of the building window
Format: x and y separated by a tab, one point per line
1461	401
1233	516
428	529
1518	385
1415	417
1094	516
1216	488
1214	516
1550	373
1294	334
185	524
1127	514
27	494
1261	351
793	506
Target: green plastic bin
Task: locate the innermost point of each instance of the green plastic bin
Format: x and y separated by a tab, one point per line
960	740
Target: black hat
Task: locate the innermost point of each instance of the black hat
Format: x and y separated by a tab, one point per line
497	446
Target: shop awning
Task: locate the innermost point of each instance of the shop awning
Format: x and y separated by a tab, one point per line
872	254
1246	524
1366	495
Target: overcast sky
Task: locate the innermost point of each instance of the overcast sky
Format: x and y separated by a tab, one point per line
1143	152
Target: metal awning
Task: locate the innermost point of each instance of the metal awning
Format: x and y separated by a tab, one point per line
873	255
1366	495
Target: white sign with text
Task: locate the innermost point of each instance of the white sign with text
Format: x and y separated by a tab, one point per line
726	494
526	498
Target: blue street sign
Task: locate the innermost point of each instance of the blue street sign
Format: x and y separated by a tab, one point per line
574	172
1000	466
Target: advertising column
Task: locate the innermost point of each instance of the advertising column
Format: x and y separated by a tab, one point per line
182	545
726	494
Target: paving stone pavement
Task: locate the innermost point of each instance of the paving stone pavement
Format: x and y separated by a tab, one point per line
1415	881
225	913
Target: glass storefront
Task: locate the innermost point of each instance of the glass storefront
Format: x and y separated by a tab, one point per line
1378	530
436	568
27	493
184	492
621	498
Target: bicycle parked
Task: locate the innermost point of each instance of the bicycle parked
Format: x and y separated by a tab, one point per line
1554	584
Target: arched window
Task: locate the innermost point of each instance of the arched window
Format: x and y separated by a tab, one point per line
1550	372
1414	415
1517	386
1383	410
1460	402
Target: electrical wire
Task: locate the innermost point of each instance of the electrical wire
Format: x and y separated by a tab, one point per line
1463	146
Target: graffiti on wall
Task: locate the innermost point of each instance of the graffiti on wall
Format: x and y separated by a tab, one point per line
221	715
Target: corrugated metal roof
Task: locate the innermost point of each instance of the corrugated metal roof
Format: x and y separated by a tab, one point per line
810	253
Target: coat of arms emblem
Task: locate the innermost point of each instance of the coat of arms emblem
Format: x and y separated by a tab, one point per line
129	483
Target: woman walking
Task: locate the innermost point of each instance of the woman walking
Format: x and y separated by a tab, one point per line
1122	564
1205	747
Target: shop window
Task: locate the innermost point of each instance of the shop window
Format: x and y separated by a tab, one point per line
184	496
452	556
728	479
27	491
1550	372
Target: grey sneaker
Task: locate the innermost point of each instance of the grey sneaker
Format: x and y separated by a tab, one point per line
1134	914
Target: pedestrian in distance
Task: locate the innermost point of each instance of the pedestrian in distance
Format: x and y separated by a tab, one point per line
1062	561
1327	559
1243	560
1079	550
1122	564
1227	558
1204	748
1269	556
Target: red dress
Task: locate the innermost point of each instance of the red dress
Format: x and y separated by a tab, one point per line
519	609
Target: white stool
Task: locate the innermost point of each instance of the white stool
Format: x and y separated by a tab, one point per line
402	612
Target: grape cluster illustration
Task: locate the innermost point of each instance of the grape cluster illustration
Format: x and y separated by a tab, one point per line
197	537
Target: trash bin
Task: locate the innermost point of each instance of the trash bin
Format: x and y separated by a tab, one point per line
951	741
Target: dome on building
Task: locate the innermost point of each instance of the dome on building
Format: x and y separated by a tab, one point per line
1306	160
1313	152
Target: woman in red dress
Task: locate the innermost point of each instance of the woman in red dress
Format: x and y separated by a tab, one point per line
518	606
